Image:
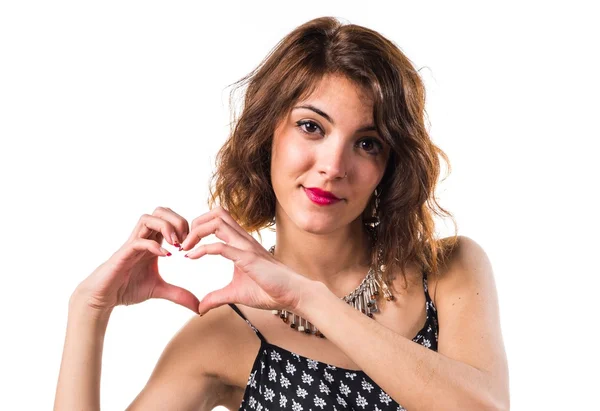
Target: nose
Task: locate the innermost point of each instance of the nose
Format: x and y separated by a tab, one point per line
332	163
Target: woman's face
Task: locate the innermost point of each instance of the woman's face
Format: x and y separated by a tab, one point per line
327	142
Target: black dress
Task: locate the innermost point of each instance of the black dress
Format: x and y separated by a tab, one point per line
283	380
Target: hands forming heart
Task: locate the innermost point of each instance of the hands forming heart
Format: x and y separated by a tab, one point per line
258	281
131	276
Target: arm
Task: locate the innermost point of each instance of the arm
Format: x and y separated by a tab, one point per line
181	380
79	377
186	376
469	371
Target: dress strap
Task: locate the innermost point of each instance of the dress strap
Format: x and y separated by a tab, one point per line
237	310
429	301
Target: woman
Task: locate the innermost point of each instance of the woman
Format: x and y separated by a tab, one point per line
331	149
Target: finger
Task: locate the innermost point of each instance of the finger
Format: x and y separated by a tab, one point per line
177	295
224	214
239	257
214	299
181	225
149	225
134	248
219	228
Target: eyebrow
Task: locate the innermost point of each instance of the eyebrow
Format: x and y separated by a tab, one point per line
323	114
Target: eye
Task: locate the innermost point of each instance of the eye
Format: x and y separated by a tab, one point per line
308	127
371	145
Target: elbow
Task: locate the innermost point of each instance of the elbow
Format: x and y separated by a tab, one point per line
488	400
487	404
497	396
497	403
502	405
502	400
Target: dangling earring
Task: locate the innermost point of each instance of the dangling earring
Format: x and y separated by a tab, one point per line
374	221
376	208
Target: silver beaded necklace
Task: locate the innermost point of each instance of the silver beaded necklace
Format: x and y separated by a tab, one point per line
363	298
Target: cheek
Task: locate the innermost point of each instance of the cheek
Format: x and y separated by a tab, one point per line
291	155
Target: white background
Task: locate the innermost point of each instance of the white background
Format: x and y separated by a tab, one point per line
109	109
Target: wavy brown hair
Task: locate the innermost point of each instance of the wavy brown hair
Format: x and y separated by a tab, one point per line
290	72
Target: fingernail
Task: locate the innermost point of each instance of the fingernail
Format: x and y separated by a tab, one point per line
186	256
175	240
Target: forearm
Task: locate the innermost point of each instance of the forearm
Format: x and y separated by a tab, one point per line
79	378
413	375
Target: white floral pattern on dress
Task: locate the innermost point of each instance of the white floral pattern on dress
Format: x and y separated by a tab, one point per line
307	378
324	388
306	384
275	356
290	368
269	394
320	402
366	385
284	381
301	392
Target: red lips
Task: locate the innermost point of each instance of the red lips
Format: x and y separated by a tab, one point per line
321	197
322	193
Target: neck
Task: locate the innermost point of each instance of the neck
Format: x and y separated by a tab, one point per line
338	259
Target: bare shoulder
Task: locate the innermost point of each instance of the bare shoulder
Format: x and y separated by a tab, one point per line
467	262
468	313
189	373
450	269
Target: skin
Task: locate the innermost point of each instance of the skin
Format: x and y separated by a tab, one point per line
326	243
321	255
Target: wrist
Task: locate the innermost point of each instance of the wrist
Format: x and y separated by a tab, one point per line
311	297
81	306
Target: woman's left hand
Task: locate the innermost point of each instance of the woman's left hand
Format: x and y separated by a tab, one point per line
259	280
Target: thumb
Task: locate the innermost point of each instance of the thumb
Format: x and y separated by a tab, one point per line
214	299
177	295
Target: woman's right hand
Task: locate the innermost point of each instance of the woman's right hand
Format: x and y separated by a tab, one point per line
130	275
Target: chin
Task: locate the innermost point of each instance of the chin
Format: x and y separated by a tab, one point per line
317	224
